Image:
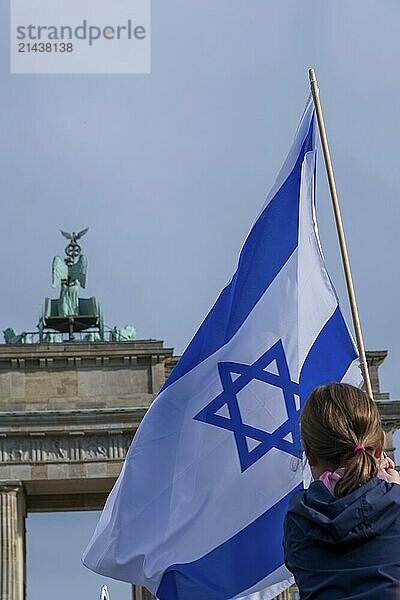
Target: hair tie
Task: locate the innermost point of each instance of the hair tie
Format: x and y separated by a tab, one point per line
360	448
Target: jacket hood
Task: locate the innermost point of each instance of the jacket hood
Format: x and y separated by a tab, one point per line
352	519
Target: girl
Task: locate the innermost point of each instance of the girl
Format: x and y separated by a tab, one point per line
342	534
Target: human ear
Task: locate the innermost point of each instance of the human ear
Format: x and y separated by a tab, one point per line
312	461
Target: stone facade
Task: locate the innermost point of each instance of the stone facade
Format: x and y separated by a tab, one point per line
68	413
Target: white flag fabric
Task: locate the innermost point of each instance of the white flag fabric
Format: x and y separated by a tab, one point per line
197	511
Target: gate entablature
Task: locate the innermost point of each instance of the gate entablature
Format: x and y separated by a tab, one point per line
60	456
68	413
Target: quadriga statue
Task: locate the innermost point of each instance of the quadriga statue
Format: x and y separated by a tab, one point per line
70	275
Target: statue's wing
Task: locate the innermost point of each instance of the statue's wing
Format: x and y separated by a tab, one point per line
81	233
78	270
59	271
66	234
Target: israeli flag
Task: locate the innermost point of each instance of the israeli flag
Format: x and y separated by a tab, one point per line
197	512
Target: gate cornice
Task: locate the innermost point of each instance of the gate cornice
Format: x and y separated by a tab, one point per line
390	413
89	419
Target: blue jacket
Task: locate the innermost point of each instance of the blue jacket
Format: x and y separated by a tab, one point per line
345	548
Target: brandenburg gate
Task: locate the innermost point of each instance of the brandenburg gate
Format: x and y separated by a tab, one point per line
67	416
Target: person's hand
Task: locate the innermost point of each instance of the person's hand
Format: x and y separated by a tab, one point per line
387	465
385	462
393	476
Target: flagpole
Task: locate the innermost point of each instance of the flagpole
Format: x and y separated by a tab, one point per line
340	232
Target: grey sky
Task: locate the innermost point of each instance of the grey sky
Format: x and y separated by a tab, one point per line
169	170
54	543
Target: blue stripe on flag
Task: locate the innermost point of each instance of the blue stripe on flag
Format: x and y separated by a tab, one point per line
216	576
258	547
329	357
269	245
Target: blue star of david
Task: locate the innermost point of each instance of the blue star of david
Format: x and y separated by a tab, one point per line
228	397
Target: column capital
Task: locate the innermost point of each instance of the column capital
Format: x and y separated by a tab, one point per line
11	486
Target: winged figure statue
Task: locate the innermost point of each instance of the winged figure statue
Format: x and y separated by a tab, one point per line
70	276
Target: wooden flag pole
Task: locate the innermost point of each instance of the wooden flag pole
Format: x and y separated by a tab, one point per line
340	231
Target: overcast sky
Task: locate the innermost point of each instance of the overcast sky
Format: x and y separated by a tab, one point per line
170	169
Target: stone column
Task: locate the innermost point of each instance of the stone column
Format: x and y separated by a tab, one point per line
12	541
389	440
140	593
291	593
157	374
